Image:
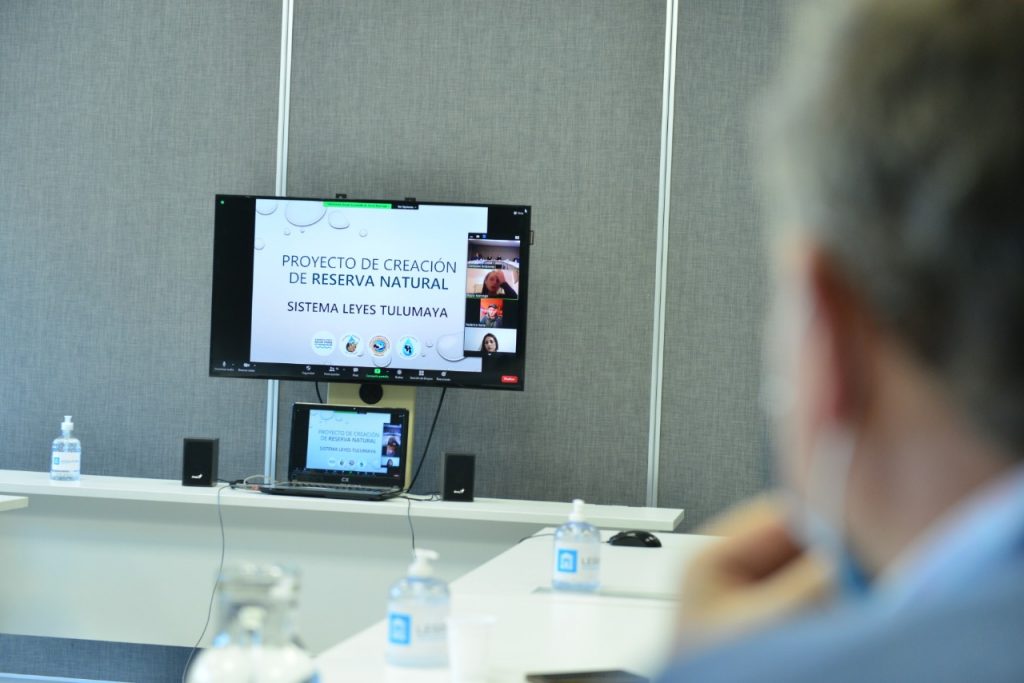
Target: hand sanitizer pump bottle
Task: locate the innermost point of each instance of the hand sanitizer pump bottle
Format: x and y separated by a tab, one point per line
577	561
417	616
256	642
66	454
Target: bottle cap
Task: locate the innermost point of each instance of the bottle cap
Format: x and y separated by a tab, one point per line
67	425
421	567
577	511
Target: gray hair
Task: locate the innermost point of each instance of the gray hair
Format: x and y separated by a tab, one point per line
896	139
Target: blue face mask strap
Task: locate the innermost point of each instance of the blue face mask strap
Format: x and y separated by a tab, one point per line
818	516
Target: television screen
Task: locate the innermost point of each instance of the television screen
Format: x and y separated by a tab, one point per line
397	292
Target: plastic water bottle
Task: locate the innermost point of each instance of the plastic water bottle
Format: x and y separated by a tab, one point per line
256	642
577	561
66	454
417	616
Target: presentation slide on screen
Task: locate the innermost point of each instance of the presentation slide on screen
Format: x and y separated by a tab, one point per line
361	285
348	441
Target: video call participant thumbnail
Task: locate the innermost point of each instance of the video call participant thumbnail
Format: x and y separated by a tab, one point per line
489	344
492	282
490	312
493	313
484	340
490	252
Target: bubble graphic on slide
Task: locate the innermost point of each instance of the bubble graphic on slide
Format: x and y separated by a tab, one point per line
287	231
304	214
449	347
323	343
265	207
258	245
382	361
338	220
363	232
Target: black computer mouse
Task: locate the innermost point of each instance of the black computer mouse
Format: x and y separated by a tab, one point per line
636	538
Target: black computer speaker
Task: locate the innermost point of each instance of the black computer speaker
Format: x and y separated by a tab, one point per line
459	470
199	462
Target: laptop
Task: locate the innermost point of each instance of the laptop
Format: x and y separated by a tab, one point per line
349	452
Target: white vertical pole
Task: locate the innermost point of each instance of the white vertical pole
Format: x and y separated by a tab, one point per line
661	250
280	189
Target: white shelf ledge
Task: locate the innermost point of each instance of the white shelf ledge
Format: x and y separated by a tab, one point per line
23	483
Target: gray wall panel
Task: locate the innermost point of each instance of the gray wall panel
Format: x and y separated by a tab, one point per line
713	439
118	123
555	104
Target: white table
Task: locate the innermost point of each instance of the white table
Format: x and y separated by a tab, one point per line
134	560
627	625
12	502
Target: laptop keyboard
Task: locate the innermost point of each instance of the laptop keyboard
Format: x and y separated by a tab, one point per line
319	486
322	490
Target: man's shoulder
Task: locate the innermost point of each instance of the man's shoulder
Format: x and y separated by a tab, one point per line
973	634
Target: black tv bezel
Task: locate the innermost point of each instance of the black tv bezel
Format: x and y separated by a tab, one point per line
231	307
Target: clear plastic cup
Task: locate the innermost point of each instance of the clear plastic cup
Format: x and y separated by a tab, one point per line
469	644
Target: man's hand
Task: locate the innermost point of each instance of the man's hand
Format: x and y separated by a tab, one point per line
756	574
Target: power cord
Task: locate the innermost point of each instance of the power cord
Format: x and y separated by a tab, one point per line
408	513
426	451
412	531
213	593
430	435
248	484
527	538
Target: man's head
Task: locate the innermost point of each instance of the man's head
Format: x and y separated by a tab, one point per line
895	165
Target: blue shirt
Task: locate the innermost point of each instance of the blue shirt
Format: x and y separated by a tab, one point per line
951	609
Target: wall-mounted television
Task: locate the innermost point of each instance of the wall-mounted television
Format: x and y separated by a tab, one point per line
370	291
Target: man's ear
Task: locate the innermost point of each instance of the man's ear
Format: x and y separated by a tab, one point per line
843	335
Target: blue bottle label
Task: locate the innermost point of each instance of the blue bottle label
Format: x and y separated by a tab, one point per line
567	561
577	565
399	628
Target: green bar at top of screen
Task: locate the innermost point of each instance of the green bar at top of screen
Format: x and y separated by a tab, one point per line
359	205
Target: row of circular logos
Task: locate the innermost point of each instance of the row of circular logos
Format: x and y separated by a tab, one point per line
352	345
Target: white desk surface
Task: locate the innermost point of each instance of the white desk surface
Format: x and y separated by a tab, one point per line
125	535
12	502
628	625
482	509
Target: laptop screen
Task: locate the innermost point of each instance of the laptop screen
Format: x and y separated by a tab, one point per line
348	445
